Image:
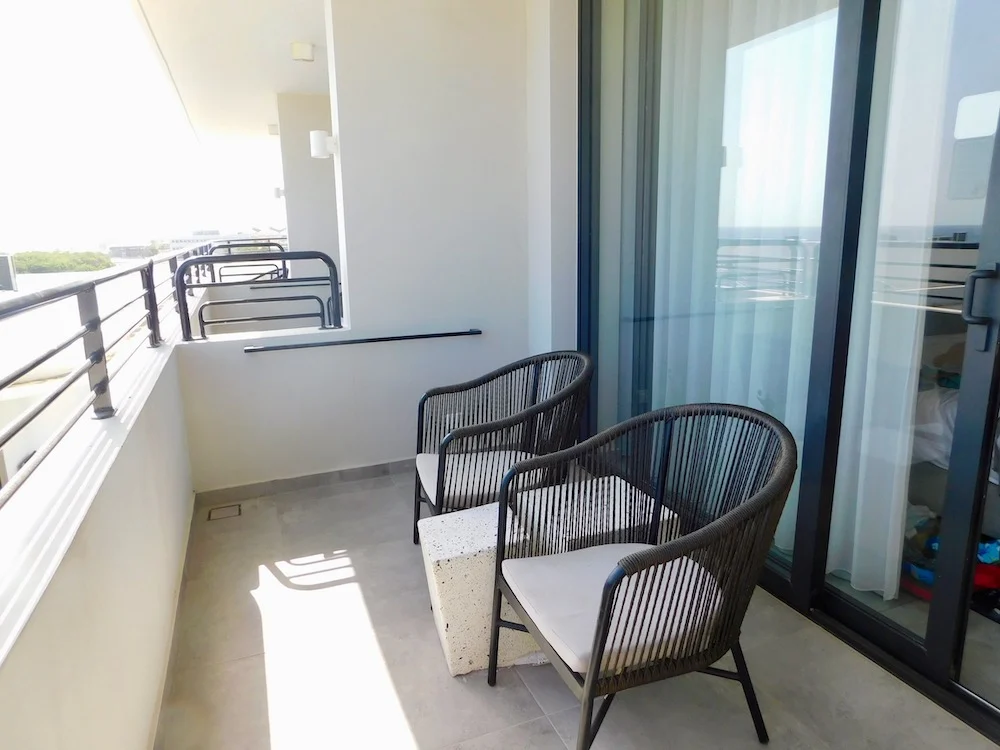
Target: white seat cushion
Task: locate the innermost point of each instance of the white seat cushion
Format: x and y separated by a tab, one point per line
466	473
562	596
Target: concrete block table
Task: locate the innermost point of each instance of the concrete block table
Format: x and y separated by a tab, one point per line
459	552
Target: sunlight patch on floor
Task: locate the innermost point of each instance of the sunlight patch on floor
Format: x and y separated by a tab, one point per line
327	682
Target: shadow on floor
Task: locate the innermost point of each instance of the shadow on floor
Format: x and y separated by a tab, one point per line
305	623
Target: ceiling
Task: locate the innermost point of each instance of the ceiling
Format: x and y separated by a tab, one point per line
228	59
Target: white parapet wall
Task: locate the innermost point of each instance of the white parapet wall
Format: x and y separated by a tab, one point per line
91	553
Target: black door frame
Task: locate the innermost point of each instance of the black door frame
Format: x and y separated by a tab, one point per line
803	584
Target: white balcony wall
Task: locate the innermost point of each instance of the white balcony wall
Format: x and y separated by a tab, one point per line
88	668
431	110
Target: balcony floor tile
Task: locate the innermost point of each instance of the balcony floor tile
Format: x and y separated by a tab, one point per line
306	622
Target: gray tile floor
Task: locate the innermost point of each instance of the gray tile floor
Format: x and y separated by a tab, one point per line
981	661
305	623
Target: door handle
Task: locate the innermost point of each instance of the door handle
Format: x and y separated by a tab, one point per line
970	293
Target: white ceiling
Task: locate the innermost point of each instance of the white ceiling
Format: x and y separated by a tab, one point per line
230	58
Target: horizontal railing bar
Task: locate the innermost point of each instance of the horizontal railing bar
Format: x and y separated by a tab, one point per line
290	283
372	340
259	318
21	422
252	281
928	308
22	474
202	321
41	358
24	302
223	283
163	283
255	300
141	296
237	244
255	273
127	331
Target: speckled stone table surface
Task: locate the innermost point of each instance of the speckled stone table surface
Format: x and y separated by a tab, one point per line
459	551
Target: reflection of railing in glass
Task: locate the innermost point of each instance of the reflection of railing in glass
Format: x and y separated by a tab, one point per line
767	269
927	275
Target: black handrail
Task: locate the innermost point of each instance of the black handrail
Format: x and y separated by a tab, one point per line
182	285
248	243
370	340
31	300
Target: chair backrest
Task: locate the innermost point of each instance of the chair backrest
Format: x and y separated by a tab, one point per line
543	396
718	476
705	484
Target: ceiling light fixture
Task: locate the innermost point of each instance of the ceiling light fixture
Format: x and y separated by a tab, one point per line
303	51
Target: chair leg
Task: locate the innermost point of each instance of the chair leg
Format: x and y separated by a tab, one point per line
585	736
602	711
416	510
491	674
758	719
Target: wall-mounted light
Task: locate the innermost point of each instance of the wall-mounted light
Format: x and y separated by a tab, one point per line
303	51
322	145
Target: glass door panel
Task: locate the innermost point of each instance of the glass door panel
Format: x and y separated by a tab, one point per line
935	105
714	124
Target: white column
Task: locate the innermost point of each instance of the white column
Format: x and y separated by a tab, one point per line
310	187
552	69
429	107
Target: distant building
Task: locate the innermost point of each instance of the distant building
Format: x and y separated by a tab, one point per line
200	235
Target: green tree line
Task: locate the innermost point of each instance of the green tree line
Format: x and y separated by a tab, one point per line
60	261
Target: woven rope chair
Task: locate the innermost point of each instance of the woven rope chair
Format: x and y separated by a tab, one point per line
470	434
640	563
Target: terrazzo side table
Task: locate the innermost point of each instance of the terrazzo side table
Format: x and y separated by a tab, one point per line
460	552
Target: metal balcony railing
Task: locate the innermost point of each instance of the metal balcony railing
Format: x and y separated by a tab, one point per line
328	314
93	332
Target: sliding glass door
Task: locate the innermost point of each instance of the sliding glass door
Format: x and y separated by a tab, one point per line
916	470
714	122
795	205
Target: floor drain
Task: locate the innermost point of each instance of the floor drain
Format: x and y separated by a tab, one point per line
225	511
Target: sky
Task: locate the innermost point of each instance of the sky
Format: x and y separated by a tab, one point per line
95	147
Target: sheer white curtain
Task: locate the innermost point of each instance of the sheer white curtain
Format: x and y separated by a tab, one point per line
889	314
733	316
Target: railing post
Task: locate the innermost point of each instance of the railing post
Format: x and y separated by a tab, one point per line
93	349
172	263
152	309
180	280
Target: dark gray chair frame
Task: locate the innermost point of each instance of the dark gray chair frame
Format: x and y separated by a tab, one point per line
533	406
725	471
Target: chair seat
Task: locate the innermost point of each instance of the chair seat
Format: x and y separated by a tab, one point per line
468	476
562	596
